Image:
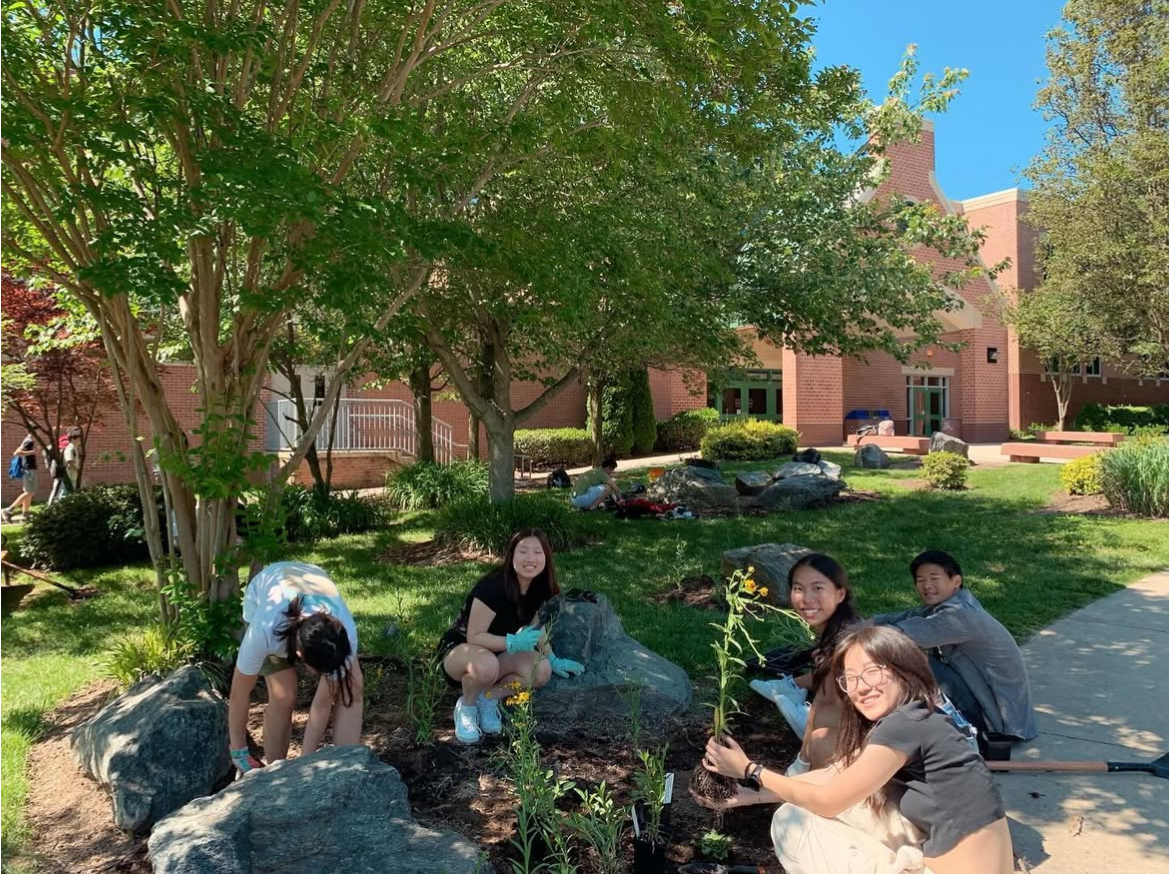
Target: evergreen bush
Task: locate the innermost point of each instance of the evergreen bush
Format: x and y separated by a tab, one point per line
748	440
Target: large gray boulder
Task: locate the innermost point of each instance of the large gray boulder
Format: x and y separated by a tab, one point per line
798	492
772	563
940	441
161	744
797	468
592	703
832	471
871	456
701	489
338	810
752	482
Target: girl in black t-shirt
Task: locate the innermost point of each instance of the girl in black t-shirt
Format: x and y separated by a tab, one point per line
493	643
897	753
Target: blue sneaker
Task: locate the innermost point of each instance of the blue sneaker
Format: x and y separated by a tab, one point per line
466	723
489	714
795	714
774	690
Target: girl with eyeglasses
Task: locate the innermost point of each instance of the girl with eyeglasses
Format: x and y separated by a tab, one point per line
906	793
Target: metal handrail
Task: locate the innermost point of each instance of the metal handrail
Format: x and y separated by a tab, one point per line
364	424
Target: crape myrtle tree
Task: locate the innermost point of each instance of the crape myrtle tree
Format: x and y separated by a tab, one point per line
1099	188
1060	325
227	163
55	375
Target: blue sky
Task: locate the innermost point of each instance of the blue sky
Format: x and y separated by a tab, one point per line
991	130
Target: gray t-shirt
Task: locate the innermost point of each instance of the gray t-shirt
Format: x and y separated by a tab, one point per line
982	652
944	788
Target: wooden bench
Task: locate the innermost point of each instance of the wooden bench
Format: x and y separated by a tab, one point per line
909	445
1108	439
1060	444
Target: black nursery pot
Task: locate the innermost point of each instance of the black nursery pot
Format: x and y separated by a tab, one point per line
649	858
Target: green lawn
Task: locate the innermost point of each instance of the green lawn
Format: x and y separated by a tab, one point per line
1028	569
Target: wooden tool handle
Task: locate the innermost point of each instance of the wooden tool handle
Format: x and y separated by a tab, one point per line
1047	766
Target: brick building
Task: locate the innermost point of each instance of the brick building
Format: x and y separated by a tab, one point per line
977	393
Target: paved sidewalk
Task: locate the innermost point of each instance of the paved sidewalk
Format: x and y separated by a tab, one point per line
1099	681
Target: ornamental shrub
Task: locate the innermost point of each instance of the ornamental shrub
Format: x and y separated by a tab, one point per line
642	401
1082	476
945	470
1123	419
617	416
91	527
481	527
426	485
549	447
748	440
684	431
1136	476
308	516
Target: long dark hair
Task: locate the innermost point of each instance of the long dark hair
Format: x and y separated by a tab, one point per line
323	640
906	663
844	616
547	578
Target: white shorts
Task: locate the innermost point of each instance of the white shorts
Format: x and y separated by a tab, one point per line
859	840
588	498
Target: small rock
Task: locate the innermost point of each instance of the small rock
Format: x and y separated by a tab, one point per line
940	441
886	428
797	468
832	471
772	563
870	456
340	809
591	633
391	630
752	482
161	744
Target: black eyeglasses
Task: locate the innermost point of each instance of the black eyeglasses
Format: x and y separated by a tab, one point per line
873	676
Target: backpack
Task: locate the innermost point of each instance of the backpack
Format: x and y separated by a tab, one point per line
559	479
15	468
808	456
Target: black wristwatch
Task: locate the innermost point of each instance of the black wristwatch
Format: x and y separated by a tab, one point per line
753	777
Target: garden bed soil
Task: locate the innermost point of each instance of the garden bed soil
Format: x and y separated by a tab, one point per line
451	786
694	591
1064	504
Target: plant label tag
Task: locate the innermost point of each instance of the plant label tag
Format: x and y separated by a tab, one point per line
634	817
668	791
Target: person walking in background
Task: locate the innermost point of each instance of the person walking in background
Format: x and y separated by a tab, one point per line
26	452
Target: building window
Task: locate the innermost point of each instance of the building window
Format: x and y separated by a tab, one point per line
1093	367
1090	368
992	355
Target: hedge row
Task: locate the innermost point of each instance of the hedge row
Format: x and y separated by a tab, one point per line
549	447
1123	419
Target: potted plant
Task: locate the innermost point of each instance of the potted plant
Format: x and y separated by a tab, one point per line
745	600
652	790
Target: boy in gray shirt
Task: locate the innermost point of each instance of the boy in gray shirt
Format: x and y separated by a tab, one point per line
974	658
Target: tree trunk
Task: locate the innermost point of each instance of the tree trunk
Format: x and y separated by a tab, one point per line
593	401
420	388
501	458
1062	385
473	436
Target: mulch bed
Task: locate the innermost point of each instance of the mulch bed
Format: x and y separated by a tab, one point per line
429	553
451	786
1064	504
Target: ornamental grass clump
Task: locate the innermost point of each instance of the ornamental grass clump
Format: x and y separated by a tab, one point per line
1136	476
746	601
945	470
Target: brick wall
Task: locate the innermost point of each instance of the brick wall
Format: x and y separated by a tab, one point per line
352	470
813	397
1114	386
107	450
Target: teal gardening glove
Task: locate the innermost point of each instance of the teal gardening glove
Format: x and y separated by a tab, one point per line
565	667
244	761
524	640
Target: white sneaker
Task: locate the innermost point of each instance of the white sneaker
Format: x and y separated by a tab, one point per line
774	690
489	714
466	723
799	766
796	715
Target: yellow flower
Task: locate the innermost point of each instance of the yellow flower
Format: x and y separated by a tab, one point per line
515	685
749	586
518	698
764	592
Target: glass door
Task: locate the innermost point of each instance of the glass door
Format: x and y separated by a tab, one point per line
927	400
758	394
